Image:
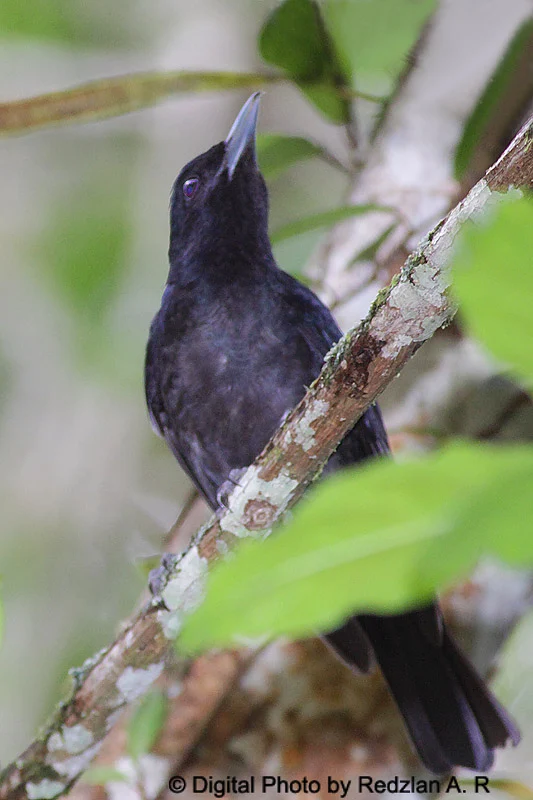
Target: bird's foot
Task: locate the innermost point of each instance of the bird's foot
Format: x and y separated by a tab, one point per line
226	489
158	577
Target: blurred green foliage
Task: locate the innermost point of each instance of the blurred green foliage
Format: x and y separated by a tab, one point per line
324	219
68	22
41	19
375	38
146	723
99	776
84	247
493	279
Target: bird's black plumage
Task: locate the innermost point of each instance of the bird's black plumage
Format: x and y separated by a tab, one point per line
231	350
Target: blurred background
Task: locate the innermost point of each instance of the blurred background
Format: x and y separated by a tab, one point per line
86	489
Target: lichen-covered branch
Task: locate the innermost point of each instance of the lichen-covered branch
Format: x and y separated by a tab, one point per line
357	369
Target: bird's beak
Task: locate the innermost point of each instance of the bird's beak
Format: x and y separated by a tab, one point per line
242	133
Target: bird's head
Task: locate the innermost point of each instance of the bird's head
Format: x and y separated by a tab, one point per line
219	200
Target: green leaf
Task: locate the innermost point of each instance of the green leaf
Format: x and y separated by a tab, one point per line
321	220
493	280
329	99
276	153
115	96
367	555
99	776
494	93
295	38
375	36
292	38
146	724
493	519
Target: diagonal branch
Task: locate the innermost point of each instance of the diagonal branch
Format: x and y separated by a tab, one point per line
357	369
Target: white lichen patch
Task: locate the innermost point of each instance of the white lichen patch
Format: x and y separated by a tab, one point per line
474	206
174	690
222	547
134	682
44	790
276	492
151	770
418	306
171	623
184	592
303	433
75	765
72	740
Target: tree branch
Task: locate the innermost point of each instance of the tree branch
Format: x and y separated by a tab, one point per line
357	369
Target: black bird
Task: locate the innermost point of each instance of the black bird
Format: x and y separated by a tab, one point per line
230	352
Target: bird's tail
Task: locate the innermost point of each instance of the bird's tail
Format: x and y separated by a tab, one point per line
452	717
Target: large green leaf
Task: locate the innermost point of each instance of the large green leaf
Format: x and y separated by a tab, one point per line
494	94
375	36
381	538
321	220
146	723
493	280
295	38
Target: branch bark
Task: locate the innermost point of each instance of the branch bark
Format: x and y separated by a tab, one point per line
357	369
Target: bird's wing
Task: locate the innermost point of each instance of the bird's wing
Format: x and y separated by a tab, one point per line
161	423
151	388
320	331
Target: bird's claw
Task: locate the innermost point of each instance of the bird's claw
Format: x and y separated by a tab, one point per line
158	577
226	489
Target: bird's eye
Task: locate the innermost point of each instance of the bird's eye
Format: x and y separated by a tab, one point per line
190	187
